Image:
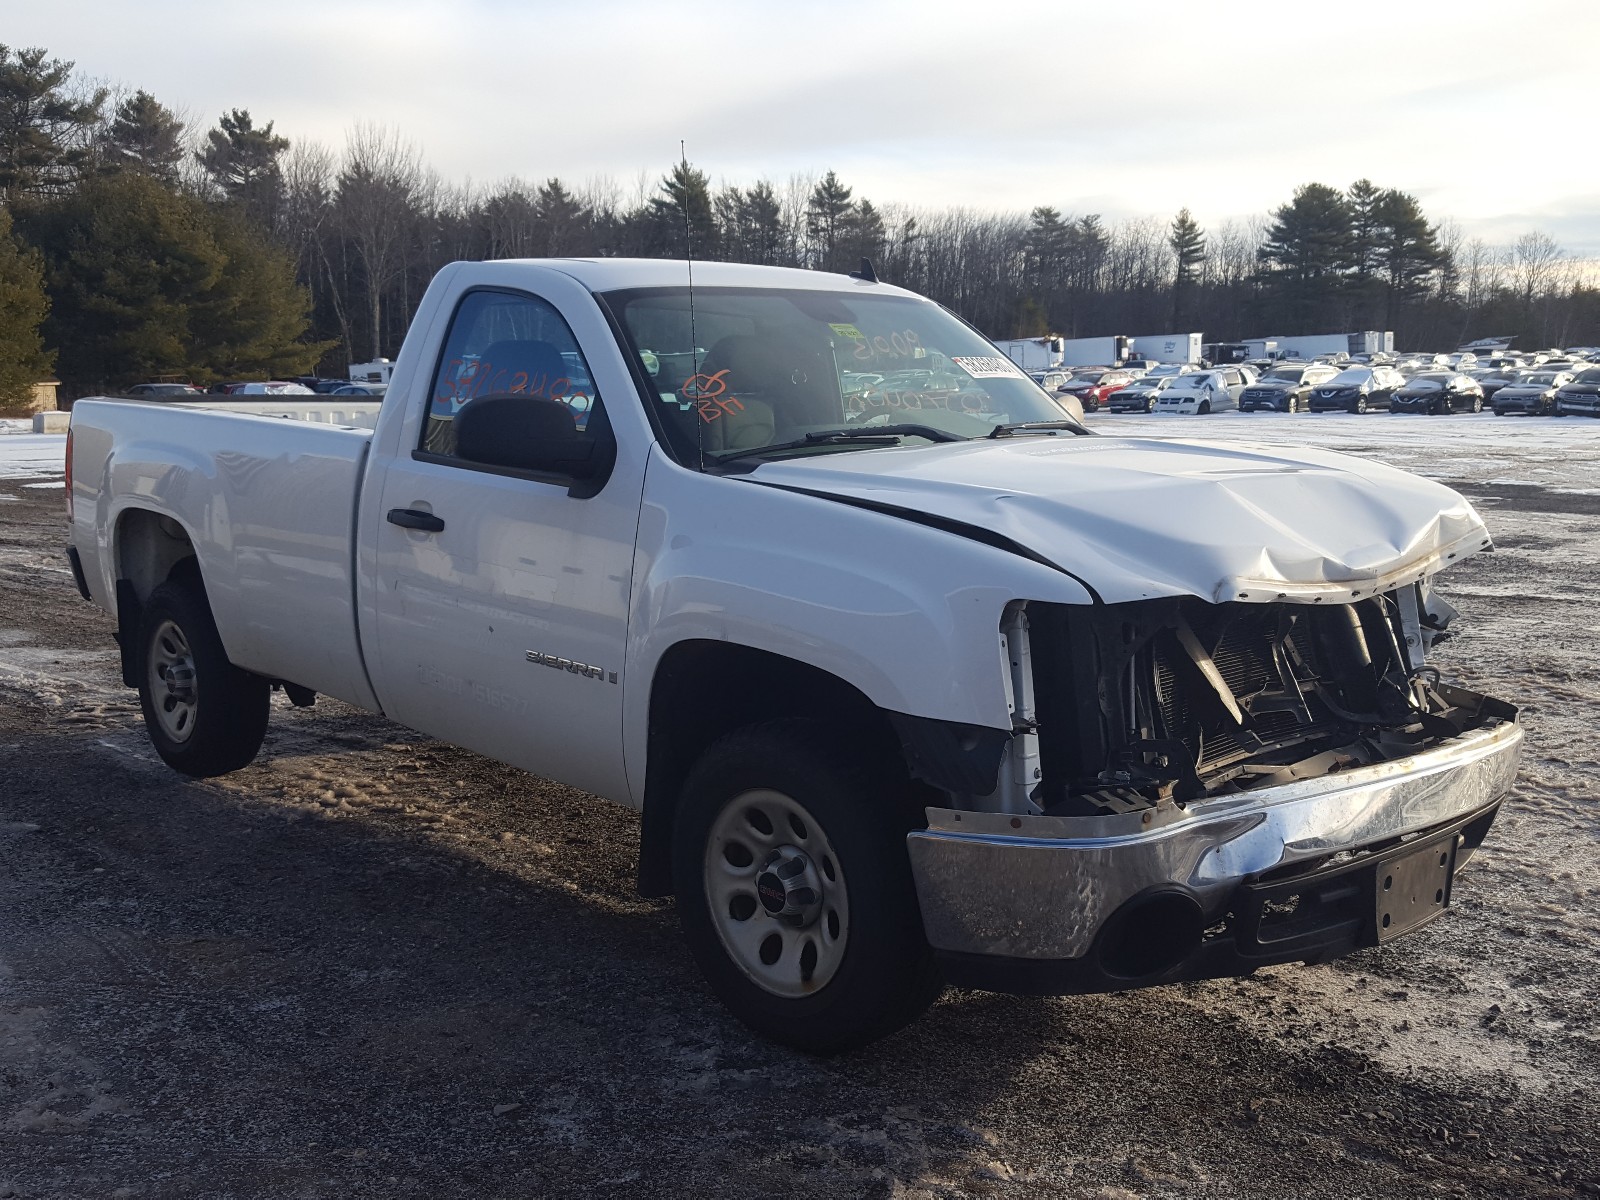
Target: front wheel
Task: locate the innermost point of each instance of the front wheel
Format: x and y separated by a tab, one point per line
204	715
794	888
1360	406
1205	408
1477	404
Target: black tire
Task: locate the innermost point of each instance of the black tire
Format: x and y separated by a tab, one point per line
1477	404
885	975
1360	406
1205	408
221	726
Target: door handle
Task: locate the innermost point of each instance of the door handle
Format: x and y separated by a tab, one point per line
412	518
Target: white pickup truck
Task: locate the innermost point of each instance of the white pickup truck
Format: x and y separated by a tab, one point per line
914	679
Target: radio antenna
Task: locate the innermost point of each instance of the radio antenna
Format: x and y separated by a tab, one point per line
694	342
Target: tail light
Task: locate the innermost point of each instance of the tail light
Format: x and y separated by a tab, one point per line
68	480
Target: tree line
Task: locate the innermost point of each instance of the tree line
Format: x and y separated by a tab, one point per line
134	246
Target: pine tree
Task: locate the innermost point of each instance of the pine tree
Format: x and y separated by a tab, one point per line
1308	252
680	220
766	241
243	162
46	134
1188	244
827	216
23	306
562	219
252	320
861	235
1366	249
146	136
144	280
1408	252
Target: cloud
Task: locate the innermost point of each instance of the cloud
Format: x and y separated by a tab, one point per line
1132	109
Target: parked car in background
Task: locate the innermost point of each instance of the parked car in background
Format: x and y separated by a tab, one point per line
272	387
1438	392
1092	387
1204	392
359	389
1138	367
1561	364
1357	390
1165	370
1141	394
1050	381
1412	364
1285	388
1534	393
1461	360
1580	396
149	390
1491	380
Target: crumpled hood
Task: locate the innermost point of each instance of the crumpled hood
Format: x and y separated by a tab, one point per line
1135	518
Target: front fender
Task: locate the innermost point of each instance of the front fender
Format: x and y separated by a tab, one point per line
908	615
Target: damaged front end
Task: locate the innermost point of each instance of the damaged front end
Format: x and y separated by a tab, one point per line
1170	701
1194	790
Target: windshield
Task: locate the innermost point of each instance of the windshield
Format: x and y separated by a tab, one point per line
1354	377
756	367
1590	376
1284	375
1538	379
1427	383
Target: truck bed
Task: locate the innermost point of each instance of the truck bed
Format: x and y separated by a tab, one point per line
269	505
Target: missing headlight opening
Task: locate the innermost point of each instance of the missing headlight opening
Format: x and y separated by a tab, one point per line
1169	701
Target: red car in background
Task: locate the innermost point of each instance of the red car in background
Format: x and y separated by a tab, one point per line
1091	387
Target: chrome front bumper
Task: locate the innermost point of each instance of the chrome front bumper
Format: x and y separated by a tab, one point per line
1038	887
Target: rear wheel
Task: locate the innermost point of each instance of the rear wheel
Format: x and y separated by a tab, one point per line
204	715
795	890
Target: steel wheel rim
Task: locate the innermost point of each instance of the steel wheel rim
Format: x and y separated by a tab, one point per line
173	694
786	955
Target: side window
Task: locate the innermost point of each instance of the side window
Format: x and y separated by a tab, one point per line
511	346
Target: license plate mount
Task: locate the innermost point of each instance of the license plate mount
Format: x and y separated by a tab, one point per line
1414	887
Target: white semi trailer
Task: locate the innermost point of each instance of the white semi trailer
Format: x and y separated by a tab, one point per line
1313	345
1167	347
1033	354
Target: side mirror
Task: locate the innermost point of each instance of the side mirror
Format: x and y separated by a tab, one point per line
528	433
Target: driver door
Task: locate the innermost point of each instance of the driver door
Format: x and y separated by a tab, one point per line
502	593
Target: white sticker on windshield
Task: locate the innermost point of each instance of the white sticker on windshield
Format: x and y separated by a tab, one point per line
989	368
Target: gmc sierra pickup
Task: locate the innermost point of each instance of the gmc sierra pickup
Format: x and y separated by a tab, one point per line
914	679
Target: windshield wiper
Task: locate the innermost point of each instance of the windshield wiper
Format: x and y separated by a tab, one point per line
886	435
1000	431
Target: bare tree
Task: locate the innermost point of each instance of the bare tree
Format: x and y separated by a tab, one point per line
378	193
1535	265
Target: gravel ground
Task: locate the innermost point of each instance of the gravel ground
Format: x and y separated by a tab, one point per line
375	965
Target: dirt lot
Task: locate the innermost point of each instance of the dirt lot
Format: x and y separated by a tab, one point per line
373	965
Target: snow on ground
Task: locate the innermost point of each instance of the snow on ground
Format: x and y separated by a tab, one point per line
33	455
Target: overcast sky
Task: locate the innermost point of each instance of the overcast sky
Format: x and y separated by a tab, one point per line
1483	110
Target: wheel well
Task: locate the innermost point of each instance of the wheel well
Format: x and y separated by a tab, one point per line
150	549
703	690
